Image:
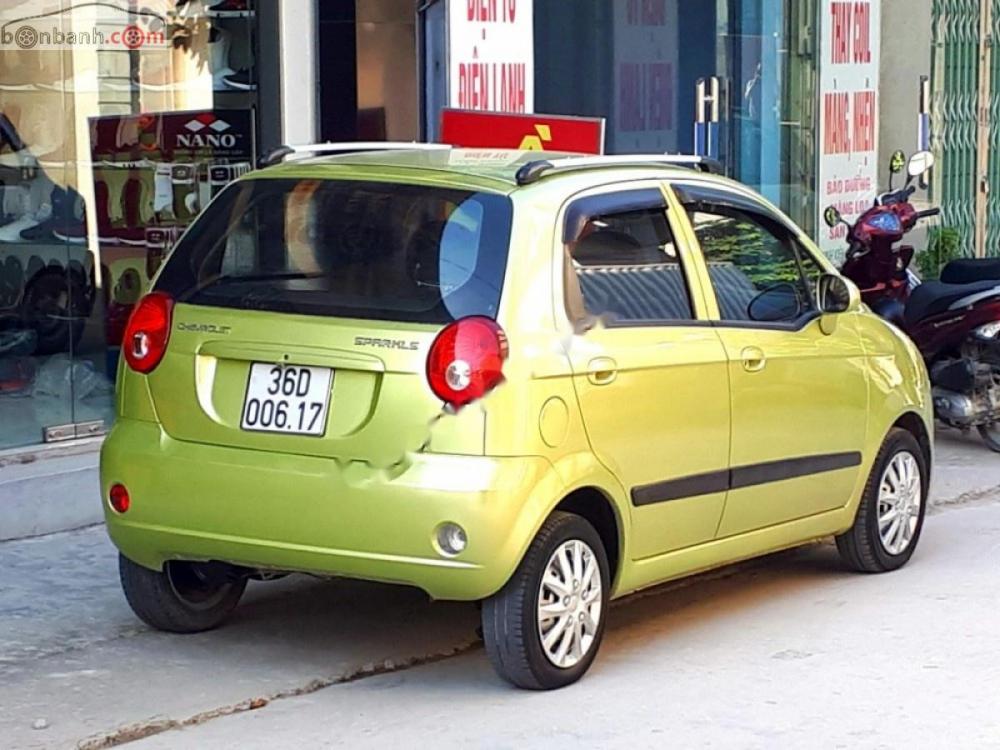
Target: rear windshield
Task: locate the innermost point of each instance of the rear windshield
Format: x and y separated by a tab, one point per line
346	249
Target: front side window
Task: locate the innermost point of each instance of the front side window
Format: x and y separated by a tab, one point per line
626	269
757	270
349	249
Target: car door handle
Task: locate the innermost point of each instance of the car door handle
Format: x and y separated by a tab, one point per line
753	359
602	371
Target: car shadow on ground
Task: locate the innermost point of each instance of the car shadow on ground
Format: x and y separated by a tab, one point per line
328	622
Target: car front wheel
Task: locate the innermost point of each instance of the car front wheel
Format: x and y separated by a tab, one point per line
543	628
184	597
891	516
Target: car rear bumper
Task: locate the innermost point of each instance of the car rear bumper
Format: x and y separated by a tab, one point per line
299	513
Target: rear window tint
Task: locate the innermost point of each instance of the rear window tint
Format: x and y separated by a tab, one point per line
347	249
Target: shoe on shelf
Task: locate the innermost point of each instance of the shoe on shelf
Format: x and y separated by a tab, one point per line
40	232
240	81
12	232
219	46
65	221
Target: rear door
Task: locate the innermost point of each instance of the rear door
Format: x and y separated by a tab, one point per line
305	309
799	395
650	371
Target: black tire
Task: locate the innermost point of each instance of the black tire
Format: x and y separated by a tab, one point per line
990	433
861	546
510	617
183	597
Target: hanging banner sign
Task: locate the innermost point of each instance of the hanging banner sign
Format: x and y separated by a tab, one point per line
848	113
584	135
491	55
646	63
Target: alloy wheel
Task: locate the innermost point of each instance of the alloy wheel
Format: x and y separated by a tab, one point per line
899	500
570	604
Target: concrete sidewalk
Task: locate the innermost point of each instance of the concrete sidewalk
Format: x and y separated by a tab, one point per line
74	659
52	490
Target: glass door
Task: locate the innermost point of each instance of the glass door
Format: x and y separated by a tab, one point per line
767	63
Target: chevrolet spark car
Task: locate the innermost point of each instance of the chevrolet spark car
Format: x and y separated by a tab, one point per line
534	381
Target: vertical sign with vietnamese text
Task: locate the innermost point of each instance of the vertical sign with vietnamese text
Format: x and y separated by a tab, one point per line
646	58
491	55
848	135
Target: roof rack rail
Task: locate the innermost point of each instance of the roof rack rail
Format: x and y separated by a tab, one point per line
533	171
278	155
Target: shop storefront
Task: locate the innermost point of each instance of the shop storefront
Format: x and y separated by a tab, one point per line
117	124
734	79
119	120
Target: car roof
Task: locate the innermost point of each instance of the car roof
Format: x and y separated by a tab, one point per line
498	166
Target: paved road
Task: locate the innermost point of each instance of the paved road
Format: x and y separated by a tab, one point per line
794	654
794	630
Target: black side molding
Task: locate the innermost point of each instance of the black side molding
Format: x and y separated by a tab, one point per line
678	489
791	468
742	476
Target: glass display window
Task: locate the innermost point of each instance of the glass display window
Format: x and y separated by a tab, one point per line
118	124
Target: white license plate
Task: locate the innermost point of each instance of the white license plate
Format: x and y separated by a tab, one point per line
287	398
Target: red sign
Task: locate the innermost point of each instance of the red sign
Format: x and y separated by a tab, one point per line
584	135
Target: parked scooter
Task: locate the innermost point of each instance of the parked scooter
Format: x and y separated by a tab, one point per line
956	326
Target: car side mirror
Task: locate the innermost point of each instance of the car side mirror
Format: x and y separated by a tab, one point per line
835	294
776	304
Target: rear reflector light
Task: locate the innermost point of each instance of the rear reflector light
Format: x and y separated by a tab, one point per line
147	332
119	499
466	360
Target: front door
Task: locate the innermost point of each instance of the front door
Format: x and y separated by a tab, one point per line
799	395
650	372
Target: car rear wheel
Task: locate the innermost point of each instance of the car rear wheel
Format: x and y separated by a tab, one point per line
891	516
990	433
184	597
543	628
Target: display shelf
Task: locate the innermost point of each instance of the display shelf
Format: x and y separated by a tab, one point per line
229	14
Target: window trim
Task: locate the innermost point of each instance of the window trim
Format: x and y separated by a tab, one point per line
706	198
622	199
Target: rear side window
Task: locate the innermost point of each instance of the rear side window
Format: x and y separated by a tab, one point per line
348	249
626	269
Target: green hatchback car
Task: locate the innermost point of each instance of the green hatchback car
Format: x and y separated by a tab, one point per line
536	381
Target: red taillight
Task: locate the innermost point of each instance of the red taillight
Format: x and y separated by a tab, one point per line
119	499
466	360
147	332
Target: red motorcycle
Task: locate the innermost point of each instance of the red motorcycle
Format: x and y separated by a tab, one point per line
954	322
